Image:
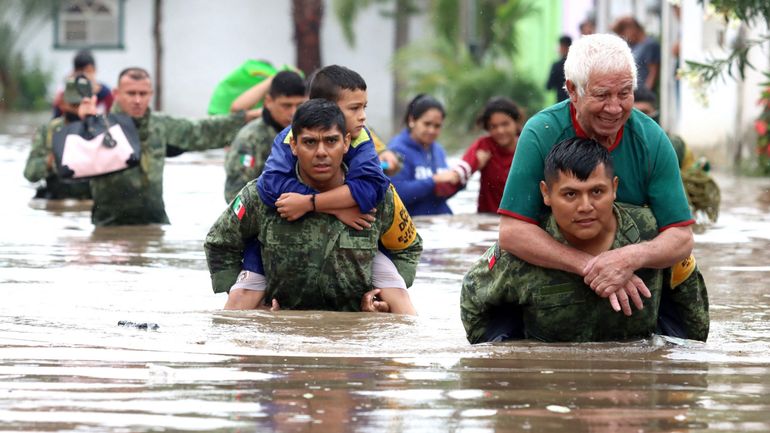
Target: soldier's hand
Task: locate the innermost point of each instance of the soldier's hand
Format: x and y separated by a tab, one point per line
371	303
353	217
292	206
610	271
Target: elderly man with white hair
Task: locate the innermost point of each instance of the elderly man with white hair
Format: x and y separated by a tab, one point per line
600	78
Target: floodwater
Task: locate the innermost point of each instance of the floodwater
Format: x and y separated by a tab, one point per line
66	365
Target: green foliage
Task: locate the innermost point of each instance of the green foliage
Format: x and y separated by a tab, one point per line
735	64
32	84
347	12
21	86
446	68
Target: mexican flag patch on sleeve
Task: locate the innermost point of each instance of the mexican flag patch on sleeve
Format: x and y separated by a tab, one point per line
238	208
247	161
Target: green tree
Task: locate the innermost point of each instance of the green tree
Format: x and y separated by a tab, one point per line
20	84
465	68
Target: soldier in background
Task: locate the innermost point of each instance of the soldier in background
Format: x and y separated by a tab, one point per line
251	147
504	297
316	262
40	163
135	196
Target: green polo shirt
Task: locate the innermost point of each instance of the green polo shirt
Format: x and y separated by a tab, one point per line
643	157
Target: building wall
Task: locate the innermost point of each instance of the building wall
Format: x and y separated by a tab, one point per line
731	107
204	40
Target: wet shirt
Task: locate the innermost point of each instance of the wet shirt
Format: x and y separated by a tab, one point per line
414	182
135	196
316	262
365	178
643	158
493	175
558	306
37	167
247	155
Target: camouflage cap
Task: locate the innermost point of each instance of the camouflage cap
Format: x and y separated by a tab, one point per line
72	94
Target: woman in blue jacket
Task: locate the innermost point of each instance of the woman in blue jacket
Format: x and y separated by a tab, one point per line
425	174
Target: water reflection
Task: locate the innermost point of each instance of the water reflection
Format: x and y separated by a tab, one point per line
66	365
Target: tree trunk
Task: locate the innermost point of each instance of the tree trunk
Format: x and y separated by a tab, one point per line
157	35
399	81
307	15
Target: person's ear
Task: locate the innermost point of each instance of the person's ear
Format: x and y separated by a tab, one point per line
615	182
347	140
546	194
293	145
410	122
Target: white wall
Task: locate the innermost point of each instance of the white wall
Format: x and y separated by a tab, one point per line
205	40
715	125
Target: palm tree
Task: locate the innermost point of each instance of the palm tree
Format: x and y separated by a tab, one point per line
308	16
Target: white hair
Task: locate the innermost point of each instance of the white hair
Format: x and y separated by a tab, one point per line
601	52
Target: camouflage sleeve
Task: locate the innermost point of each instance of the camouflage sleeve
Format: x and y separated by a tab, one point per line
37	161
487	286
690	298
210	133
225	241
244	160
399	237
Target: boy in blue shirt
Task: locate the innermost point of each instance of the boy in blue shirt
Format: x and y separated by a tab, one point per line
365	182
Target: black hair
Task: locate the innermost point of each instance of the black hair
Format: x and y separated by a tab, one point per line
577	156
134	73
82	59
499	104
565	40
419	105
329	81
317	113
287	83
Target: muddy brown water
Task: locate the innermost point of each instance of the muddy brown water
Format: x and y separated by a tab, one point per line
66	365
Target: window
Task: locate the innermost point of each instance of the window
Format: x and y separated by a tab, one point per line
89	24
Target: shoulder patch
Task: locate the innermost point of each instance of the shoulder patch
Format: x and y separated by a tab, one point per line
287	139
682	271
362	138
402	232
238	208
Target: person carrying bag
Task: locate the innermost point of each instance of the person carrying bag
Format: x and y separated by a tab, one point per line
96	146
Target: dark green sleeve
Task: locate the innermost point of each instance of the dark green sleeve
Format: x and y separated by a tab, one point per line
690	299
488	285
210	133
224	243
37	161
399	236
246	157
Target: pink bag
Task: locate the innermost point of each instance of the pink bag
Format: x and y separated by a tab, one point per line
97	146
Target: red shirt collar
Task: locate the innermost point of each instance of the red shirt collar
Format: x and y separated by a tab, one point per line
582	134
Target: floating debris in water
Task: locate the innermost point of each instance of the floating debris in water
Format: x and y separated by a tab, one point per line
147	326
558	409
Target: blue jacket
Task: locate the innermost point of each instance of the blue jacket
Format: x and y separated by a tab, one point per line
414	183
365	178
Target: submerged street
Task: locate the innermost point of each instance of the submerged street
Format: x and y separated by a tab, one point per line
67	365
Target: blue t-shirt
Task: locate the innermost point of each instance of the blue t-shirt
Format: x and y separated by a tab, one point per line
414	182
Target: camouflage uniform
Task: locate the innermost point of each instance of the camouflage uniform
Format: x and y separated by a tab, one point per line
135	196
247	155
316	262
37	167
557	306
